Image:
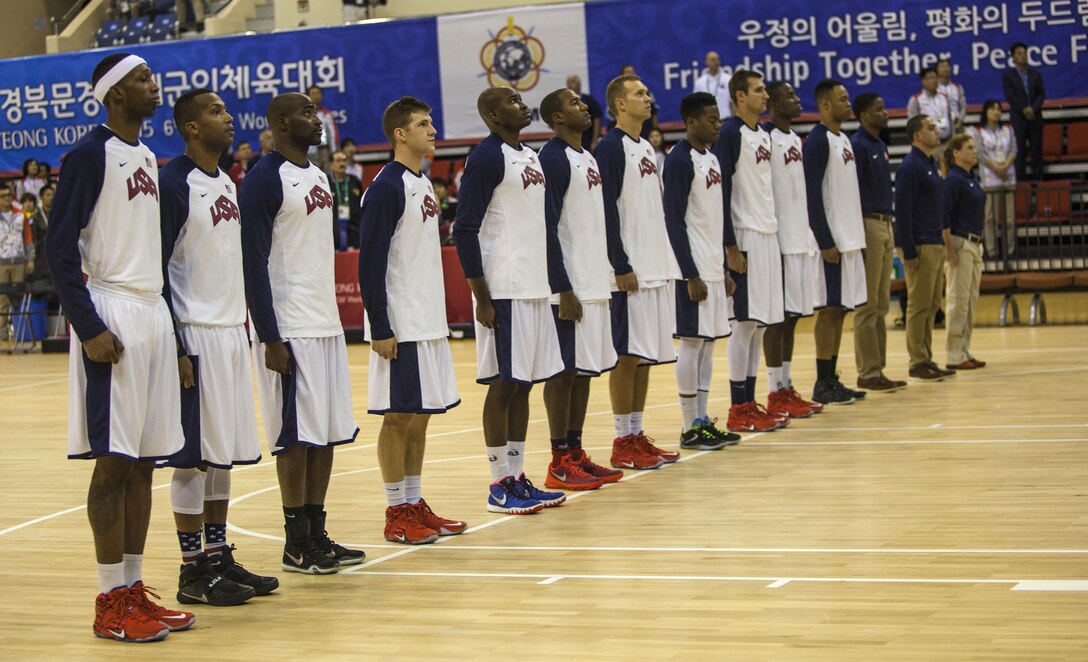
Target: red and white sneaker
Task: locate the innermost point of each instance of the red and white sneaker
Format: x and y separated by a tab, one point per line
566	474
794	396
402	525
746	418
779	404
114	618
593	469
780	421
647	444
627	453
444	527
175	620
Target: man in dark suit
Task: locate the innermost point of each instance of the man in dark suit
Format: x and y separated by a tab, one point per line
347	194
1025	94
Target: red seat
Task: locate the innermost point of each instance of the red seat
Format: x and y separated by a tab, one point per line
1076	147
1053	201
441	168
1052	142
1023	201
370	171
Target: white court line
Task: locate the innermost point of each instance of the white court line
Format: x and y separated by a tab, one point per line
1024	426
774	582
753	550
919	442
32	385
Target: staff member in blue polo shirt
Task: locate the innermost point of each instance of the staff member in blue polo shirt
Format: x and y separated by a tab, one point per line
963	209
918	235
875	186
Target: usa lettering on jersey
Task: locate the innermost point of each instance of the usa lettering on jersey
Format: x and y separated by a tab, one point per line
847	155
792	155
318	198
141	182
713	178
762	154
531	176
593	177
429	208
647	167
224	209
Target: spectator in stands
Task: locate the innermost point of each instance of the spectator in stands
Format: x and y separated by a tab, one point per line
448	206
242	157
321	153
651	123
347	146
1025	95
964	202
996	146
182	8
267	141
932	103
591	135
16	251
28	204
918	234
657	141
347	196
715	81
39	225
953	91
32	180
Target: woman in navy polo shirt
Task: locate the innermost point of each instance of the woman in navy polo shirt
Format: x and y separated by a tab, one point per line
963	211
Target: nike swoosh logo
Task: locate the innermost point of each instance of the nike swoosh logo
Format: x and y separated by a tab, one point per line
562	477
123	165
120	634
629	464
415	194
296	561
502	501
295	183
203	195
399	536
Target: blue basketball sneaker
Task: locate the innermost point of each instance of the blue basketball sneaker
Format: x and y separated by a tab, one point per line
547	499
506	496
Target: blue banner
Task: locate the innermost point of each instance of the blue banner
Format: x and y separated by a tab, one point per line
870	48
46	102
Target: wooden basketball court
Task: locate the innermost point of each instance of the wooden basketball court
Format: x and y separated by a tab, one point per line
944	522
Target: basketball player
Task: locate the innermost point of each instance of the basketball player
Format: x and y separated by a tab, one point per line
834	214
501	241
751	246
574	211
643	304
202	255
304	386
400	278
694	217
123	405
802	271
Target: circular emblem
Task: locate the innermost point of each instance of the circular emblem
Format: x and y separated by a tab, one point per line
512	57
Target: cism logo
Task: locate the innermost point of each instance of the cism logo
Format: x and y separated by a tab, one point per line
713	177
318	198
647	167
792	155
593	177
847	155
762	154
429	208
531	176
141	182
224	209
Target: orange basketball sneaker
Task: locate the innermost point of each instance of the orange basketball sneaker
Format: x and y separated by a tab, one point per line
647	444
443	526
566	474
593	469
175	620
114	618
402	525
627	453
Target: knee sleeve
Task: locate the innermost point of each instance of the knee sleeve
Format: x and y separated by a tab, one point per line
755	352
187	491
217	485
687	365
706	365
740	344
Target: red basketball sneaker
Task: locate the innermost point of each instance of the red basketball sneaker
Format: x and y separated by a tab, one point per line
627	453
114	618
746	418
779	421
444	527
566	474
796	397
593	469
402	525
647	444
175	620
780	404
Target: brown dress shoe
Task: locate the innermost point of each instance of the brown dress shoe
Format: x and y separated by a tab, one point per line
894	383
944	373
925	373
978	364
969	364
875	384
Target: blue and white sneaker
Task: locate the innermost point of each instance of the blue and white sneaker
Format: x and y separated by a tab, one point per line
507	497
547	499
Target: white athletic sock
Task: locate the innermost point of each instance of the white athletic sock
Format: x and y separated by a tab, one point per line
774	379
701	398
688	409
111	576
413	488
515	456
622	423
394	493
738	347
786	379
706	372
498	462
636	422
134	568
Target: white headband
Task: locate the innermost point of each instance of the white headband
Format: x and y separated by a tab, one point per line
115	75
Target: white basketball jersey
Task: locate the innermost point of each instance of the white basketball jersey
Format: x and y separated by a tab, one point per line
842	199
790	199
752	201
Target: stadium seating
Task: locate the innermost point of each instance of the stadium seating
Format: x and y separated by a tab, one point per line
136	31
109	34
1076	148
163	27
1052	141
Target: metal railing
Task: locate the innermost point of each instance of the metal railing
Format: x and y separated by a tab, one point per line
1038	226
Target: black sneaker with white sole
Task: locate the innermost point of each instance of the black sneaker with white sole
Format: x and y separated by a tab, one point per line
224	563
831	392
711	425
199	584
321	539
698	438
301	554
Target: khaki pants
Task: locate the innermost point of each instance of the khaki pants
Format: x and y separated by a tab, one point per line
1000	214
10	274
962	298
923	301
870	334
